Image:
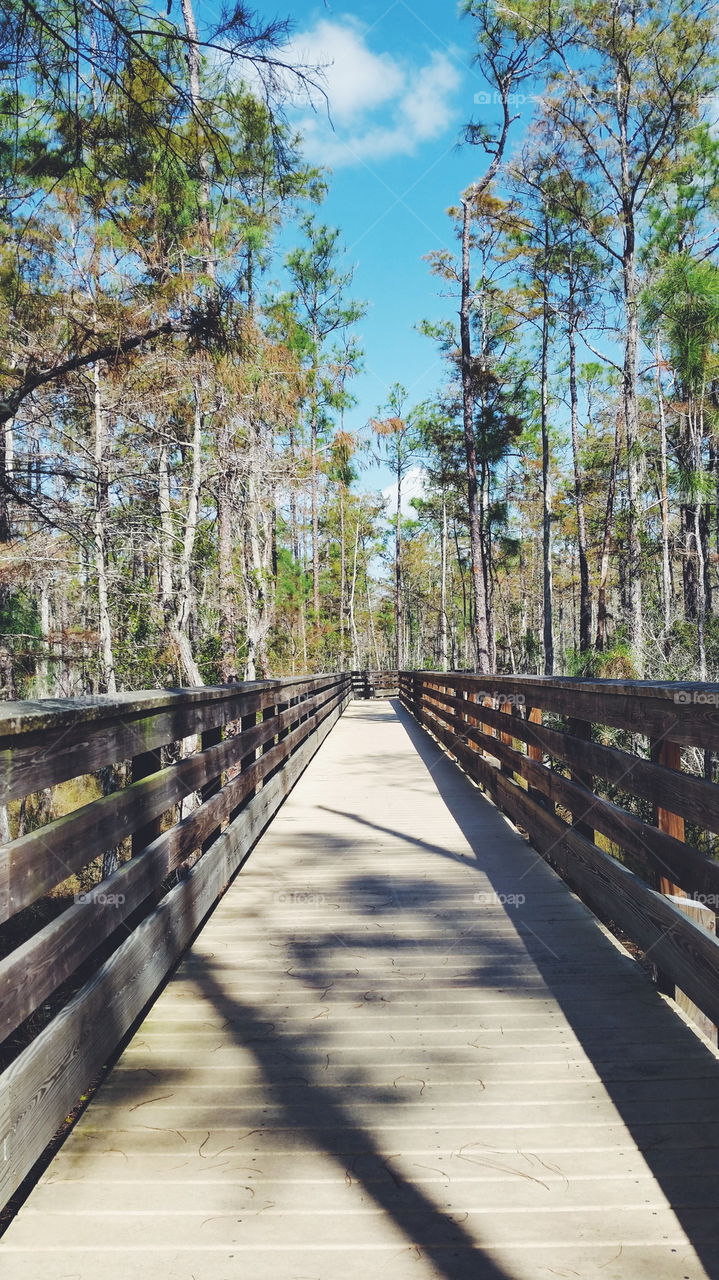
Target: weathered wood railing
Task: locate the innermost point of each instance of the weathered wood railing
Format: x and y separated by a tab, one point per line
73	984
370	684
544	776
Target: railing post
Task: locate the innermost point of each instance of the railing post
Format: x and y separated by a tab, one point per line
670	754
488	728
506	738
472	720
282	733
535	716
211	738
582	729
142	766
246	722
269	713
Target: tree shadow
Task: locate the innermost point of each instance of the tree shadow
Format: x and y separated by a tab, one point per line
314	1110
661	1077
367	924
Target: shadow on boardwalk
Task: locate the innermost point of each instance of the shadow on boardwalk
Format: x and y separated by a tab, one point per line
315	1112
416	926
672	1112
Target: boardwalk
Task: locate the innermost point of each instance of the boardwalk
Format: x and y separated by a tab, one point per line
399	1048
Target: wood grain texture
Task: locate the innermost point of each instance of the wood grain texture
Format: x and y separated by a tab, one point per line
33	864
400	1047
685	712
669	754
40	749
679	947
35	969
656	852
44	1083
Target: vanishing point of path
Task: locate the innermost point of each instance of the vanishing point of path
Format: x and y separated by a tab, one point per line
400	1048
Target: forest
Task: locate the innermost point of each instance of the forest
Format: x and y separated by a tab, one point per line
181	501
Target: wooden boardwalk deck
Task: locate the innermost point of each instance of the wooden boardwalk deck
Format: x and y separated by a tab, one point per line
399	1048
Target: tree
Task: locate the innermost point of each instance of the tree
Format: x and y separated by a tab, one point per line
507	56
683	306
399	443
624	111
324	319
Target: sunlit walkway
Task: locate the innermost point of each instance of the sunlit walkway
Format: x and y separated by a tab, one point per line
400	1048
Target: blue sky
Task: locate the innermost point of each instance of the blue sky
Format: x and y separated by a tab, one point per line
400	84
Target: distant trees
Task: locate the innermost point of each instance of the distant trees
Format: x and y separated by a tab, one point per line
180	496
159	404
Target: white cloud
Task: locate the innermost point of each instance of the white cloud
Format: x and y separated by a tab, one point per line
379	105
355	79
414	485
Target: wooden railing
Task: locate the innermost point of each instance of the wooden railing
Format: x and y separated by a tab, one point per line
533	743
372	684
71	985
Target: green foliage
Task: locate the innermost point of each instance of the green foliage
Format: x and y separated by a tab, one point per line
683	304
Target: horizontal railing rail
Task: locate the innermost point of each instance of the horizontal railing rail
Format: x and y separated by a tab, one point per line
371	684
610	816
98	903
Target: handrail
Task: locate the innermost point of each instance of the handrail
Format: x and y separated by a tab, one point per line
71	988
547	777
368	683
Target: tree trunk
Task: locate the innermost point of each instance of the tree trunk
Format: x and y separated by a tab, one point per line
166	533
585	599
180	623
205	185
343	577
42	682
602	613
108	682
315	520
398	602
666	578
635	618
226	574
373	632
7	463
696	435
443	589
480	627
258	578
547	590
351	603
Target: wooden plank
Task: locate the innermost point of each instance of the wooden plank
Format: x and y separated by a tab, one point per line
33	864
18	719
706	917
681	949
44	1083
669	754
656	851
688	713
34	758
685	794
35	969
